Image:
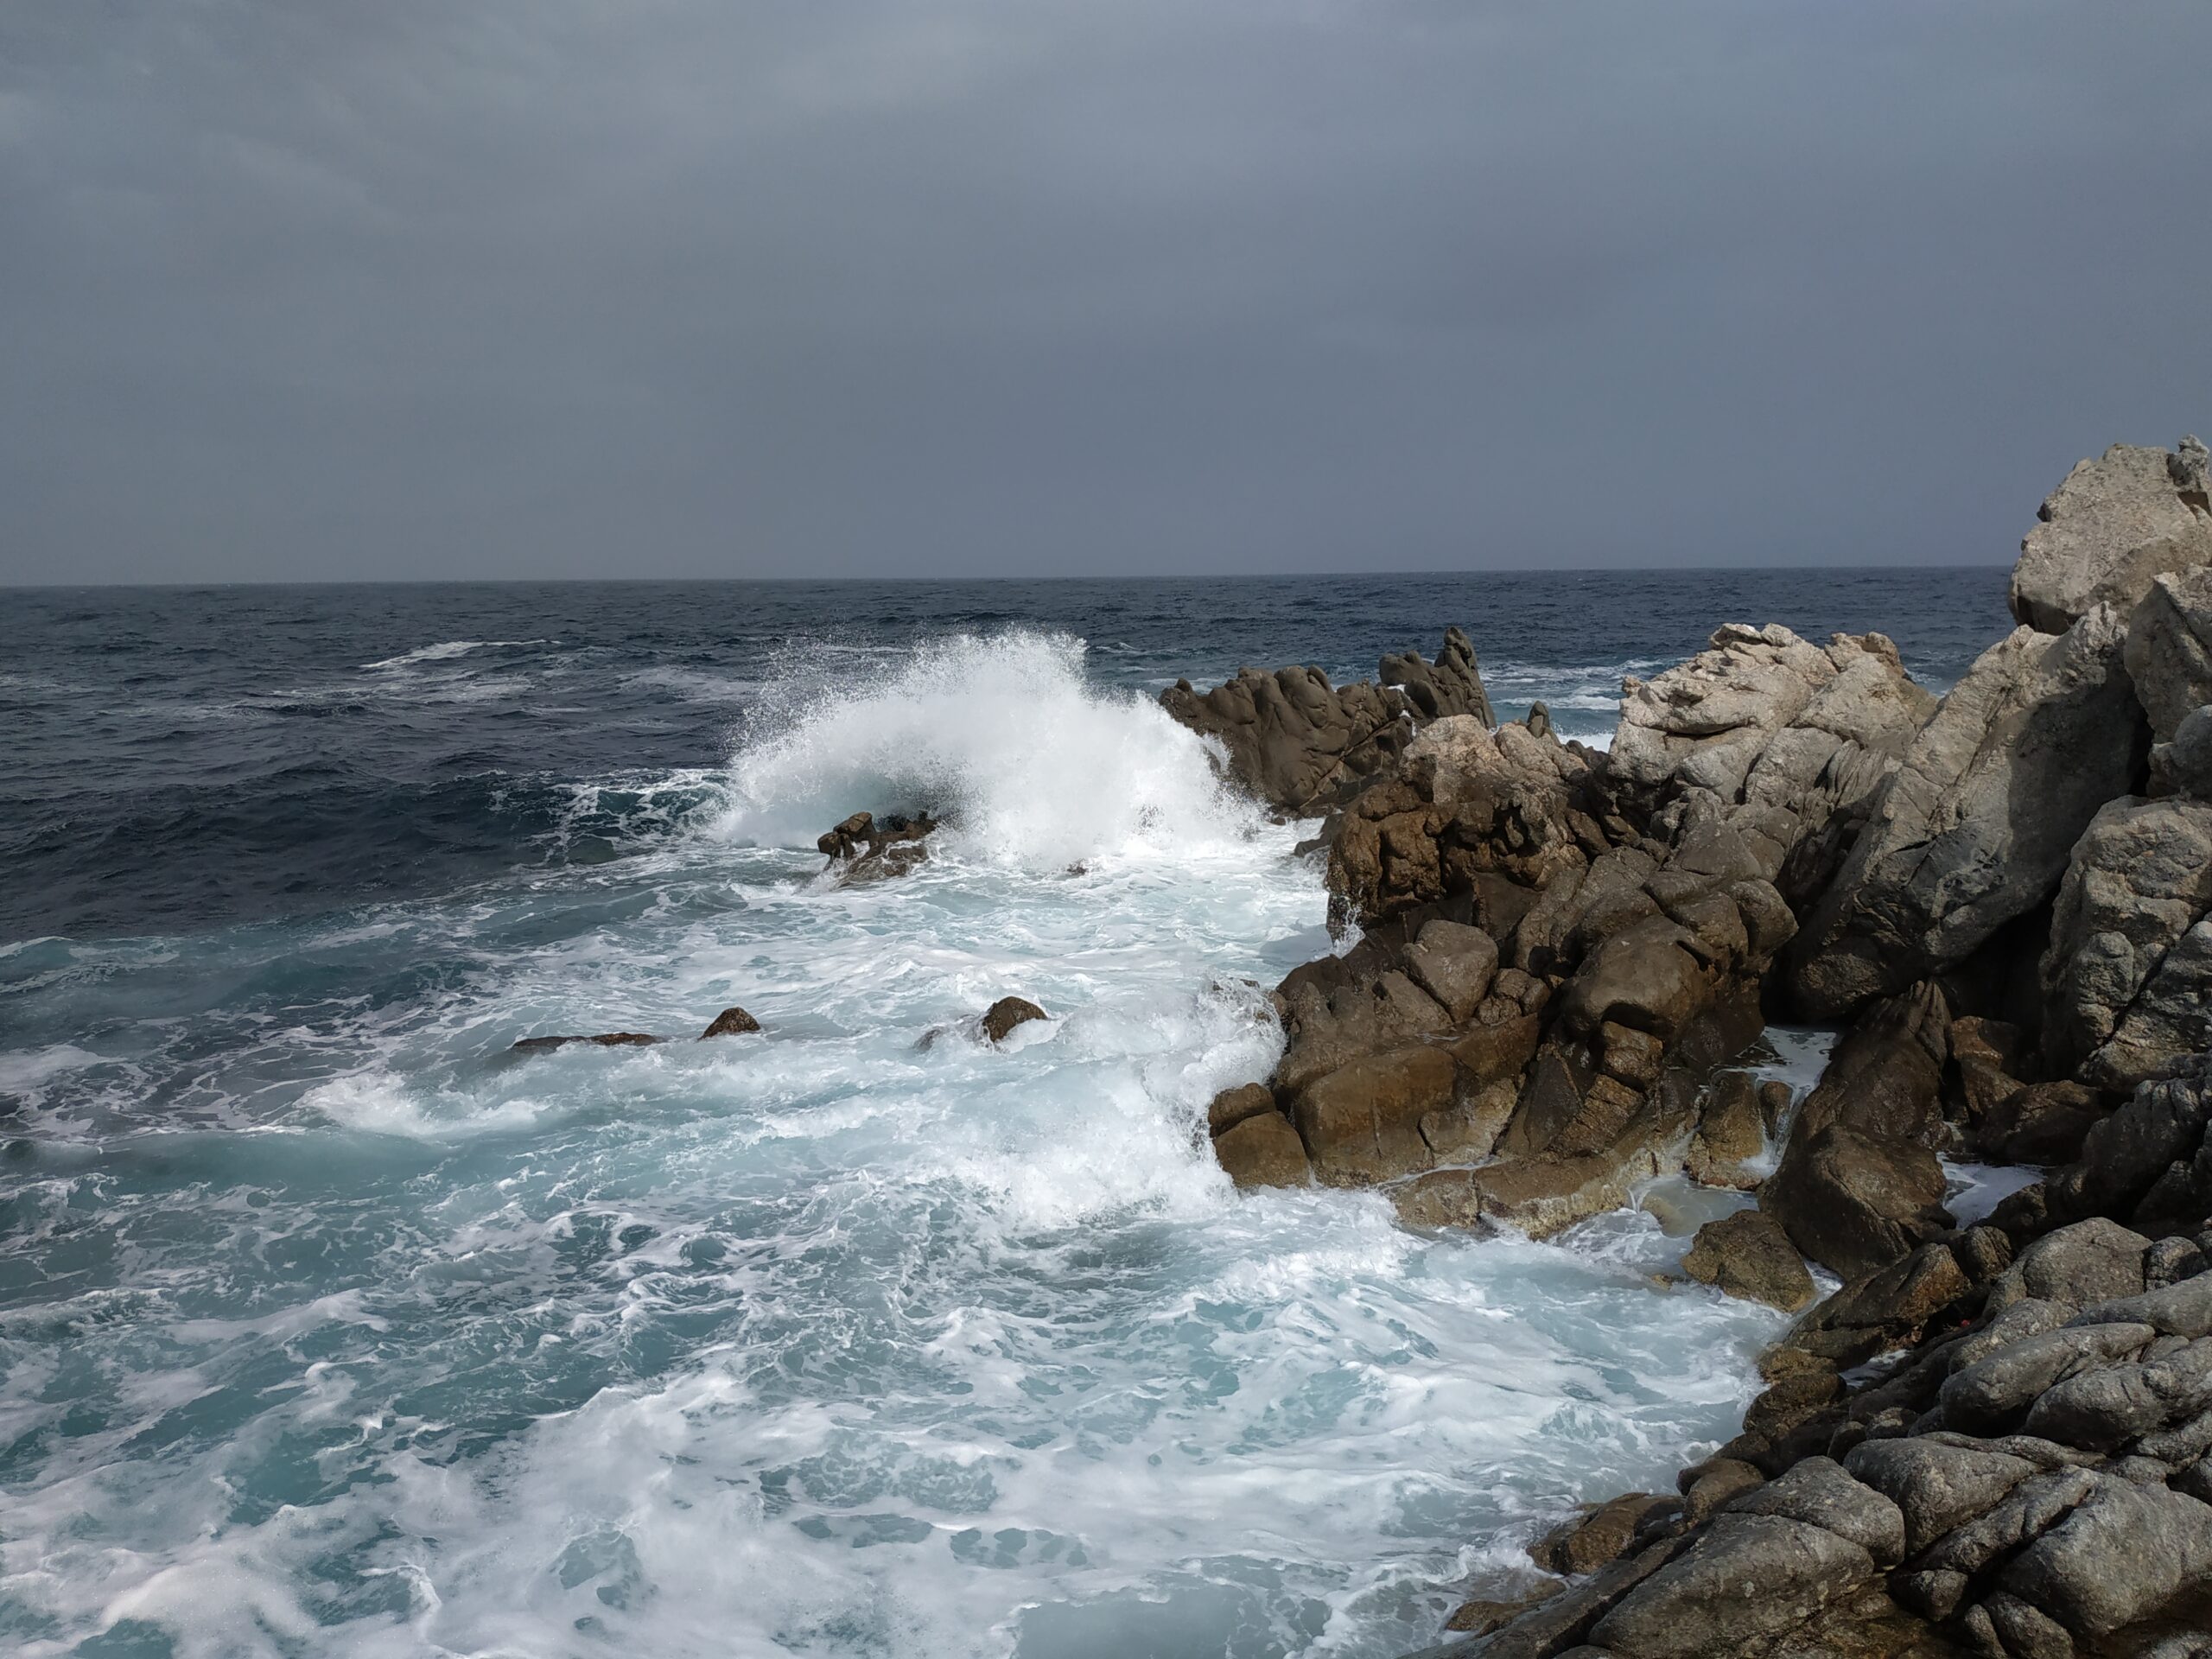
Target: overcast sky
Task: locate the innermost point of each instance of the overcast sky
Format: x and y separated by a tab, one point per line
396	289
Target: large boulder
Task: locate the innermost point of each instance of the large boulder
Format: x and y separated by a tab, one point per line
1859	1184
2114	525
1297	742
1748	1254
1974	830
1782	739
2168	650
2129	969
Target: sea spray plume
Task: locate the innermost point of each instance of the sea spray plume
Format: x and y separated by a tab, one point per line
1036	767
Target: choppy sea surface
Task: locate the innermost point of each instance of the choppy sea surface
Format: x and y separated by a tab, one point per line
330	1326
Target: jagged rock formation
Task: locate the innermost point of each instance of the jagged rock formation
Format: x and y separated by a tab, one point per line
864	848
2117	523
1973	829
1298	743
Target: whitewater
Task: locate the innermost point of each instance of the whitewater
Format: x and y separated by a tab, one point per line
331	1327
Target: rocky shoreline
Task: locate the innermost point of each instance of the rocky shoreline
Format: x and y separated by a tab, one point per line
1993	1440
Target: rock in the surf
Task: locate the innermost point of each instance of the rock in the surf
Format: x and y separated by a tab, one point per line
864	848
1003	1015
730	1022
604	1040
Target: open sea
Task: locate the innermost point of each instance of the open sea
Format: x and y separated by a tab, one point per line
330	1326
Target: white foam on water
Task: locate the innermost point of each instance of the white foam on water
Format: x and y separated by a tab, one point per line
815	1340
1038	767
445	650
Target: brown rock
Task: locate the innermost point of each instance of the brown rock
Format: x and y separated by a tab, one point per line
1361	1123
1747	1254
2040	1123
1719	1481
1003	1015
1597	1535
1232	1106
730	1022
1731	1133
1263	1151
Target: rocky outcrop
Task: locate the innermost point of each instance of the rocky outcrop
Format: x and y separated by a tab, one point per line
604	1040
2169	650
2115	525
730	1022
1298	743
1974	828
2127	978
1859	1183
864	848
1783	739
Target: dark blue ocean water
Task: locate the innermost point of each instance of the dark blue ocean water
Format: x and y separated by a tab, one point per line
328	1325
182	756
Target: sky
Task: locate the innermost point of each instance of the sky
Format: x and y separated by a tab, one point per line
327	289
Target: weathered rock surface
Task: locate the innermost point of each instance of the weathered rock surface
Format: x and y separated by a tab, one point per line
1860	1184
1974	829
1295	742
2169	650
730	1022
2128	980
864	848
2114	525
1748	1254
1263	1150
1783	739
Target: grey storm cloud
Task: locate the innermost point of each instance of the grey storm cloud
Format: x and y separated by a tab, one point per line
536	288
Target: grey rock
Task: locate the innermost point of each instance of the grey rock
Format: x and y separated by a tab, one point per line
2182	764
2092	1262
1744	1578
2182	1309
1935	1486
2168	652
2125	1553
2115	525
2026	1512
1818	1492
1994	1394
2104	1409
2119	1007
1974	828
2026	1630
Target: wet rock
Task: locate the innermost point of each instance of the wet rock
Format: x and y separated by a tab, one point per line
1361	1123
1790	1400
864	848
1481	1616
605	1039
2127	977
1003	1015
2114	526
730	1022
1748	1254
1974	829
1232	1106
1552	1629
1717	1482
1731	1134
1263	1150
1588	1542
2040	1123
1297	742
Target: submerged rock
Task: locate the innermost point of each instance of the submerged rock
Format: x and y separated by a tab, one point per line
605	1039
864	848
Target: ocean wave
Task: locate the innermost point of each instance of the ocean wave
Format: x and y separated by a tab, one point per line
445	650
1038	767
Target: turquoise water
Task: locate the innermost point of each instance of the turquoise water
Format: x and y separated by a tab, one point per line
330	1326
